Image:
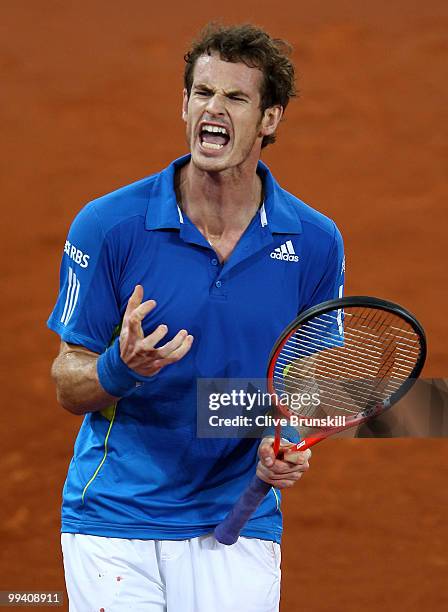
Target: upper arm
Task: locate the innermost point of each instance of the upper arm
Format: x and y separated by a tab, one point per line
87	309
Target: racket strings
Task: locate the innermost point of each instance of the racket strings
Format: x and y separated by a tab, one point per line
357	366
321	330
305	341
352	359
338	390
360	364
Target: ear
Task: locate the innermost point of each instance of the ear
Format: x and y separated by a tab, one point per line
271	119
184	105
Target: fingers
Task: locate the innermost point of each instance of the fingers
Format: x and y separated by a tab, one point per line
286	469
279	475
173	350
280	482
134	301
169	347
134	314
281	469
297	457
134	325
176	348
268	458
140	352
154	338
176	354
266	452
142	310
136	311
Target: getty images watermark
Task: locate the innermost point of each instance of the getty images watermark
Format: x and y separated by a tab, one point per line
242	408
246	413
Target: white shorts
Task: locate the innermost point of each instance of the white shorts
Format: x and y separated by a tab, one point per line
197	575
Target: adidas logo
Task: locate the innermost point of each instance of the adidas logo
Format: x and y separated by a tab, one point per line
285	252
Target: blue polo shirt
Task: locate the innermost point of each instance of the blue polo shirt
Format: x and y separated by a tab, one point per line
139	470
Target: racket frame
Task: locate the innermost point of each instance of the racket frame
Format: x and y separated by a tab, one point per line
370	412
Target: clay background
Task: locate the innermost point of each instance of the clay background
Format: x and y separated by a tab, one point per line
90	99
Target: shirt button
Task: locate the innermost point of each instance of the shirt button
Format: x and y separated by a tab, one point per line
214	262
218	284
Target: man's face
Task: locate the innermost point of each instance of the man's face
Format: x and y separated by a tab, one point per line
225	125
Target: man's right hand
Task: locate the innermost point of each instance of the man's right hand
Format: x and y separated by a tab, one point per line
137	351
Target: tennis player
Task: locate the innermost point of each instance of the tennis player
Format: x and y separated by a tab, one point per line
191	272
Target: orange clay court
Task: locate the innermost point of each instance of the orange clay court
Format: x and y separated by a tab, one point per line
90	100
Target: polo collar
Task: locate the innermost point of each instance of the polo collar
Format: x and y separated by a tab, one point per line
163	211
281	213
278	213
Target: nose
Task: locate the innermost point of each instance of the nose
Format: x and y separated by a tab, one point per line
215	105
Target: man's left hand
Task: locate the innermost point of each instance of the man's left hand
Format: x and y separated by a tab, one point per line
286	469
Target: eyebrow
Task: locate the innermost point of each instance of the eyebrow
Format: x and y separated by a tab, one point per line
230	92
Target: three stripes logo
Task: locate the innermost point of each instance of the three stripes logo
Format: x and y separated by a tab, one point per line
72	297
285	252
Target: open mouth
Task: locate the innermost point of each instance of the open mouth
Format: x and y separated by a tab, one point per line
213	136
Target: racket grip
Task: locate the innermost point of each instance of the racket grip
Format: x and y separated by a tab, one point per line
228	531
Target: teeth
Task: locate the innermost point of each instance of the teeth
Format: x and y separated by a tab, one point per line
214	129
212	145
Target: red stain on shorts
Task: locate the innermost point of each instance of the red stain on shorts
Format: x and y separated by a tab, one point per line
119	578
101	609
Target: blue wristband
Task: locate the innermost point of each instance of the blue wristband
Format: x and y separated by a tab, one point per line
114	375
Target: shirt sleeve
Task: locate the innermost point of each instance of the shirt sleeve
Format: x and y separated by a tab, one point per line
86	311
331	283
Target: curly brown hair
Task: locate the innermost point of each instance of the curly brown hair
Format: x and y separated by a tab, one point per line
254	47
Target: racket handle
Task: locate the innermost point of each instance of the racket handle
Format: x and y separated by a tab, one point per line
228	531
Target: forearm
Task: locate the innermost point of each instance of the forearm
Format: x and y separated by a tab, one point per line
77	386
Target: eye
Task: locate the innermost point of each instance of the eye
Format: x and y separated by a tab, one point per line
202	92
237	98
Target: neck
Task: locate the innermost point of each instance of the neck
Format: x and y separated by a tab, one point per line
219	203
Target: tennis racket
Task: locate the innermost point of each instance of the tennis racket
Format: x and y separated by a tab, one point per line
338	364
